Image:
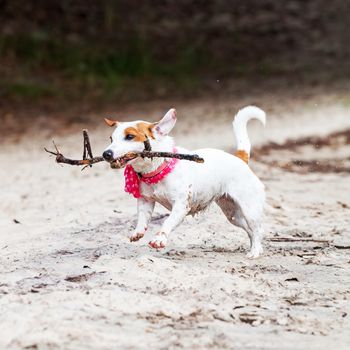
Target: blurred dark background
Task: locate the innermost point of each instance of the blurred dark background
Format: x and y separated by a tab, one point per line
66	51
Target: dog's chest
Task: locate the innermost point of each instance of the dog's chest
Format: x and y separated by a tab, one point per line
165	202
158	194
162	195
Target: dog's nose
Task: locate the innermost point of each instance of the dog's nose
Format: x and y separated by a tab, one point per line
107	155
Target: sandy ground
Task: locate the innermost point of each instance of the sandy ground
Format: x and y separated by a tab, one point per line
70	279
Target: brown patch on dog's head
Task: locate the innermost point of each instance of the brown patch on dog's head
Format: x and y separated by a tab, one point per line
242	155
110	122
141	131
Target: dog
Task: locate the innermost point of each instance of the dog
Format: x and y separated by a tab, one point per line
185	187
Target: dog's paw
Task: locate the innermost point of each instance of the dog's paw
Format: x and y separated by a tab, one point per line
159	241
136	236
254	252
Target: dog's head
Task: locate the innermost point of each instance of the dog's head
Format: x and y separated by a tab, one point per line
130	137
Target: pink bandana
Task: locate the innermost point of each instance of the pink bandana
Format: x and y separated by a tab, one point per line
132	179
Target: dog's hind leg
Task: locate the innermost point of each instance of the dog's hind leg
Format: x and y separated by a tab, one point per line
256	233
228	207
238	217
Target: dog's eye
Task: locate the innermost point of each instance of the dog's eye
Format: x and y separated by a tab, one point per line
111	138
129	137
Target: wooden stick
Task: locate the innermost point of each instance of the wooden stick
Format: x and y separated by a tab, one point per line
341	246
60	158
151	154
147	145
292	239
87	145
117	163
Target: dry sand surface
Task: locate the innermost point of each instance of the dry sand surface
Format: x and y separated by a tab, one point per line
70	279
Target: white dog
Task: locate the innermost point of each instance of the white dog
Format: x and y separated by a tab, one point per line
186	187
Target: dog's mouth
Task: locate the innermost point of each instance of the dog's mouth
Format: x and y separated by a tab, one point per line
122	161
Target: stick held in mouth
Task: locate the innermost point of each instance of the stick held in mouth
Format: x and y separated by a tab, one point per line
117	163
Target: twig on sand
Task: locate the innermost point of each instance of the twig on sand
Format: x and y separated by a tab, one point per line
292	239
342	246
119	162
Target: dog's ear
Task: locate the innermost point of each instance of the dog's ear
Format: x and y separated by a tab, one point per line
110	122
164	126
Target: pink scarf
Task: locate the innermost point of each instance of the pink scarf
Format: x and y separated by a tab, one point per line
132	179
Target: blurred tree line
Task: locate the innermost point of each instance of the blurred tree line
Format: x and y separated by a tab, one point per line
69	47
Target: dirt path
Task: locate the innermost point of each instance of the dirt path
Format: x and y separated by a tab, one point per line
70	279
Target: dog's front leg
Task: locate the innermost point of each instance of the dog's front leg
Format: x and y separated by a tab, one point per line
144	213
178	213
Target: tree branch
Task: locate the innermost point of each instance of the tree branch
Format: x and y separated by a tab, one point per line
119	162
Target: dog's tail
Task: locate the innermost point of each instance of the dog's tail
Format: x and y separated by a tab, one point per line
240	129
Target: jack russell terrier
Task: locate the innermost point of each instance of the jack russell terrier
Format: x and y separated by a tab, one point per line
185	187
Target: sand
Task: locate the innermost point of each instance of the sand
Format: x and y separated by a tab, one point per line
70	279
